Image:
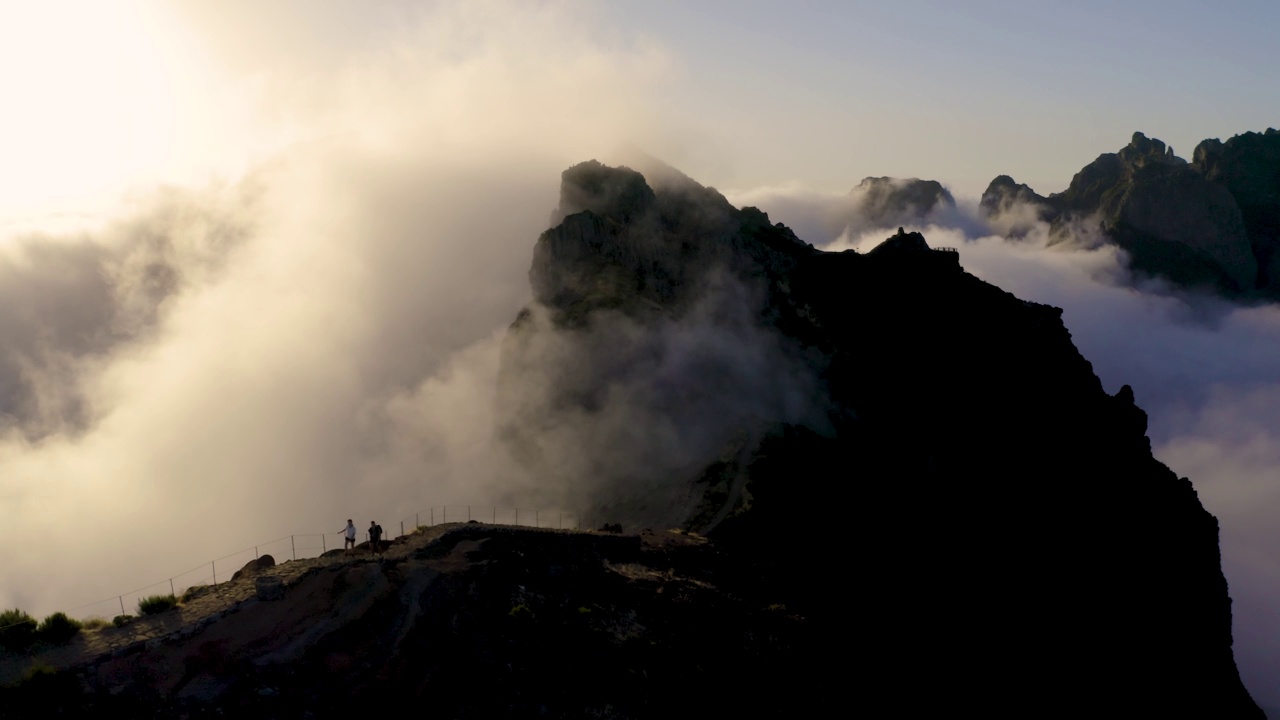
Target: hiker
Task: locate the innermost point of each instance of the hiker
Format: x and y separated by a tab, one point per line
350	530
375	535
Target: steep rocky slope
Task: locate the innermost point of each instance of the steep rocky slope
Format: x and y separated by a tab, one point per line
976	522
1211	224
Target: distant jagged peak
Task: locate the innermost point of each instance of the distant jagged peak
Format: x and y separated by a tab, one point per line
927	191
1004	193
889	201
625	190
1142	150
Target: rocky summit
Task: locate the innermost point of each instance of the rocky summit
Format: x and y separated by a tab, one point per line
830	483
947	490
886	201
1211	224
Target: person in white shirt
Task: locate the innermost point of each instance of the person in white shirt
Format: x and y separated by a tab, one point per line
350	530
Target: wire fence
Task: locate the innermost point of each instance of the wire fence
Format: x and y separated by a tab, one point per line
302	547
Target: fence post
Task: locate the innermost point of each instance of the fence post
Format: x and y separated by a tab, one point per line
417	521
444	514
323	548
495	514
293	547
401	528
468	513
171	590
517	516
433	514
255	552
214	565
121	598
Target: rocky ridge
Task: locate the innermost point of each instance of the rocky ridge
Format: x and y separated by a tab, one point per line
1213	223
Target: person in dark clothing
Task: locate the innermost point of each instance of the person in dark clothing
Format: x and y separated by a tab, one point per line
375	536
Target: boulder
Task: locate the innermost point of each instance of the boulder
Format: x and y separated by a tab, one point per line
255	566
269	587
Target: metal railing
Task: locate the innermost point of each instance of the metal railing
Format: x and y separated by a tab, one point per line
313	545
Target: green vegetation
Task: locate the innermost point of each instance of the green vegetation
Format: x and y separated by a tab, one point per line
58	629
94	623
17	630
154	604
121	620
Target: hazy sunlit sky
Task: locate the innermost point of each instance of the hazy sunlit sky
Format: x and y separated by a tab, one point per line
257	258
809	94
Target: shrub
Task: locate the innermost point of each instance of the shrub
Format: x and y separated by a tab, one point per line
17	630
94	623
58	629
121	620
154	604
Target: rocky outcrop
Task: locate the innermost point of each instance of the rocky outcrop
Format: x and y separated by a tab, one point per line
1012	540
1248	166
1004	194
886	201
268	588
255	566
1210	224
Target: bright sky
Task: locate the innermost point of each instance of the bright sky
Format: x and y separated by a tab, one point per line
824	93
103	97
393	129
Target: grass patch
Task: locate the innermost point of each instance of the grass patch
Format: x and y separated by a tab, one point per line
121	620
155	604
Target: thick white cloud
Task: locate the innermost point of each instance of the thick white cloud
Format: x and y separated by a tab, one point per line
325	342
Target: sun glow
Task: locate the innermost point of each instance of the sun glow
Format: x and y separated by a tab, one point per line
92	97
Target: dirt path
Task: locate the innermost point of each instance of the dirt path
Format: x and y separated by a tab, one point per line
193	616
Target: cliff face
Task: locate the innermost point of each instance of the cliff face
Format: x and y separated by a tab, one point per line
1213	223
960	504
1248	166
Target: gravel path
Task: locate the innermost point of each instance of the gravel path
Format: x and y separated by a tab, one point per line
192	616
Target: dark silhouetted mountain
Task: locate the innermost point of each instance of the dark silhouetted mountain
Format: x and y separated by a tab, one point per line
1211	224
961	509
